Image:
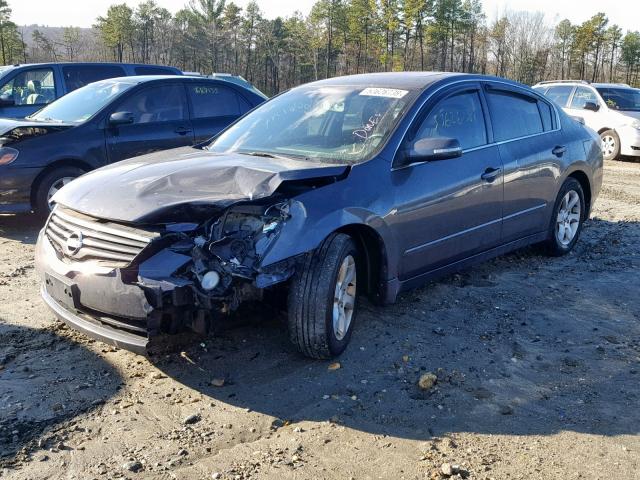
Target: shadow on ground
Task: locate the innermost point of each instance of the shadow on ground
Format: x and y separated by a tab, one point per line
46	379
521	345
23	227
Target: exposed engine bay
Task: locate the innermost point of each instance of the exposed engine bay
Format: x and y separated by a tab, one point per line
211	269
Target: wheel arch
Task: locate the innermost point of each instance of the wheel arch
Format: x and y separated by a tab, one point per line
372	248
65	162
583	179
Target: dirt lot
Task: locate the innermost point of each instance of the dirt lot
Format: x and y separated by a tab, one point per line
537	359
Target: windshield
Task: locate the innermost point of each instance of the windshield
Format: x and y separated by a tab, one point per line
621	98
328	124
83	103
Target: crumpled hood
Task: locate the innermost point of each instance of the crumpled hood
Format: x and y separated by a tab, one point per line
165	186
15	130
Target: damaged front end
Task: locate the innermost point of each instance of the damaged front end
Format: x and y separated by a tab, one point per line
215	266
173	278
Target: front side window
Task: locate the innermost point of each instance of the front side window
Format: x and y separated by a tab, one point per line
31	87
210	100
582	96
83	103
621	98
559	94
164	103
459	117
76	76
333	124
513	115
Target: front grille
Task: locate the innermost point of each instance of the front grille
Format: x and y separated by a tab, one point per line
78	237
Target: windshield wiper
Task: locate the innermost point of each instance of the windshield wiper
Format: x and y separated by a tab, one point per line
273	155
260	154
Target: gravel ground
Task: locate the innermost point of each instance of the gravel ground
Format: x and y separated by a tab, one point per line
537	363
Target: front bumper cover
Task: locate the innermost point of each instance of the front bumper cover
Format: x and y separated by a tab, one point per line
105	307
95	329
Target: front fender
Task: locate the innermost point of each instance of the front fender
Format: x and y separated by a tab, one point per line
304	233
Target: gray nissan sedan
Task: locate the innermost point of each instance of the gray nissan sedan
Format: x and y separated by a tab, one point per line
361	185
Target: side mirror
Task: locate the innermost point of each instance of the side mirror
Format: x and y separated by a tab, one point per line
6	100
427	149
594	107
120	118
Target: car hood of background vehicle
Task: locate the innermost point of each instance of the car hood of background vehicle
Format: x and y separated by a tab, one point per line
13	131
182	184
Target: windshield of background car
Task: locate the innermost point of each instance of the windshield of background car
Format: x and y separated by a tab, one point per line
621	98
83	103
333	124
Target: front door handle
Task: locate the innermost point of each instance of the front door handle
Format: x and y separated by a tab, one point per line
490	174
182	130
559	150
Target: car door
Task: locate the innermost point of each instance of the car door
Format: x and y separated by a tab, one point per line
530	144
160	121
213	107
449	209
581	96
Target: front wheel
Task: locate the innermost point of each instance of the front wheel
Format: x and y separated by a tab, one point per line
49	185
568	215
610	145
323	299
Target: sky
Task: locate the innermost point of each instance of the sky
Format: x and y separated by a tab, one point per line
82	13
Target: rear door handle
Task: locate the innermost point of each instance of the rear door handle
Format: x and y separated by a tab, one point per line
559	150
490	174
182	130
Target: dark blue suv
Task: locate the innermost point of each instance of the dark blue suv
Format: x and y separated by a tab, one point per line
108	121
26	88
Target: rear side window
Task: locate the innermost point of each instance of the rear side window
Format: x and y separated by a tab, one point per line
210	100
31	87
164	103
546	112
559	94
513	115
460	117
582	96
152	70
76	76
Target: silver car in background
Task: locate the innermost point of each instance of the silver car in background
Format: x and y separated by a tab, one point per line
611	109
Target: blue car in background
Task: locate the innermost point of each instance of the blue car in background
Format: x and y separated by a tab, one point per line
108	121
26	88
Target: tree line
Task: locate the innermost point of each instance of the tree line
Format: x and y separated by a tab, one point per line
339	37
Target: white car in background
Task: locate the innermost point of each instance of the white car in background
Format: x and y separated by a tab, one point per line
611	109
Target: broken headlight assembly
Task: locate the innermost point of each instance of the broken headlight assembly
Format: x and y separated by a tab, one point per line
230	249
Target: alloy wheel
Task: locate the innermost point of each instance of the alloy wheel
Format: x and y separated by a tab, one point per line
57	185
344	298
568	219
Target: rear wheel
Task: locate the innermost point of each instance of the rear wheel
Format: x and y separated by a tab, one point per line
610	143
568	215
322	300
49	186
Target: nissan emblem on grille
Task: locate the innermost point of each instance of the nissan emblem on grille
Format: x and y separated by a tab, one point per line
74	243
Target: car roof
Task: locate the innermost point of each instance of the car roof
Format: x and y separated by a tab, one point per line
138	79
405	80
611	85
47	64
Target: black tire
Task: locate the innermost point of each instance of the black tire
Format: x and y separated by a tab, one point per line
612	136
554	246
311	299
40	203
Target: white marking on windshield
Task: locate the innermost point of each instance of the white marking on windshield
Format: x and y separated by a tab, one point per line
384	92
